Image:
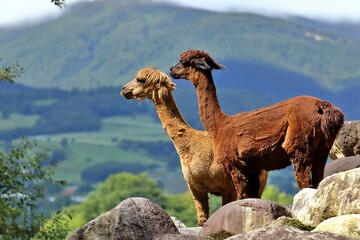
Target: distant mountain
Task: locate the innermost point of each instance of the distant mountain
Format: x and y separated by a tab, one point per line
346	29
103	43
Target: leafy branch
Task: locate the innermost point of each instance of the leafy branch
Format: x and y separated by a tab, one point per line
8	74
59	3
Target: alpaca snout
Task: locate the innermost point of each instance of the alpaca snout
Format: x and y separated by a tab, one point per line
122	90
125	93
173	73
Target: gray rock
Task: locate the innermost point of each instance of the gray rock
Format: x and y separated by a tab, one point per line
134	218
347	143
348	225
338	194
242	216
178	223
286	233
194	231
341	165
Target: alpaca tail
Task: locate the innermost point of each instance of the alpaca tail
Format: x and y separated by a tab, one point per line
331	121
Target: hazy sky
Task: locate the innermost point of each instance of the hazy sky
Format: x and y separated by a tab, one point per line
29	11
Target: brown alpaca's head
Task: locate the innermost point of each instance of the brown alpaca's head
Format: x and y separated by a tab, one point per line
148	83
192	61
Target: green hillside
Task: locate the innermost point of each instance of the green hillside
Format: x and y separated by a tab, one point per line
105	42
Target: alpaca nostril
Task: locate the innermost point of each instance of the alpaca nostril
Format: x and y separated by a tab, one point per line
171	68
122	90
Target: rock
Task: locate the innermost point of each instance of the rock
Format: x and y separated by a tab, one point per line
242	216
178	223
338	194
194	231
301	204
341	165
347	143
179	237
348	225
134	218
286	233
290	222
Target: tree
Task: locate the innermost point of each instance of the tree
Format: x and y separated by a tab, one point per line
8	74
272	192
59	3
55	228
22	183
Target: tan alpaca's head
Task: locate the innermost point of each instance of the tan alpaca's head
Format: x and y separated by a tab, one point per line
149	83
194	60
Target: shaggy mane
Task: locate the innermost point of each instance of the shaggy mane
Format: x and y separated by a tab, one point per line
152	77
190	56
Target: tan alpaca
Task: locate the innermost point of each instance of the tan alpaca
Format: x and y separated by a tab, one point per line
299	131
202	174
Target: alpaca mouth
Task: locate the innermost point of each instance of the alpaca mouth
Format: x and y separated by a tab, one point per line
174	75
127	95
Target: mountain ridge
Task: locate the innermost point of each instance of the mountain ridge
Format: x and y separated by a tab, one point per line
103	43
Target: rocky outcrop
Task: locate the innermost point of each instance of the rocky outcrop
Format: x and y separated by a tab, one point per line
333	208
347	143
243	216
341	165
348	225
286	233
134	218
336	195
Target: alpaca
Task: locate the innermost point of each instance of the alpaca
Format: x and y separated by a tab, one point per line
299	131
202	174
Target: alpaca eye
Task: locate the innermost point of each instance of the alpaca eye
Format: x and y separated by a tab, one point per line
184	63
140	80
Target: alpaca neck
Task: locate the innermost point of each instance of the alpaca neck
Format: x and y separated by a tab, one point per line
209	108
171	118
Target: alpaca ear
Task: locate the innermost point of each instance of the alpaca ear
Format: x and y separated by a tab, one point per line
201	64
219	66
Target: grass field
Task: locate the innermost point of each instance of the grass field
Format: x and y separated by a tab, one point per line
87	149
18	120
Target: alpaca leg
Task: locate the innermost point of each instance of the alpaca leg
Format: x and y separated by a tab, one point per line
241	183
201	202
263	176
302	169
318	166
228	197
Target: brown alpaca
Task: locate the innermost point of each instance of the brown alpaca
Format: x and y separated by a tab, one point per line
299	131
202	174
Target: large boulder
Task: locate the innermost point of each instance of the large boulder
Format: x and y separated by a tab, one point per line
286	233
338	194
134	218
242	216
341	165
348	225
347	143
